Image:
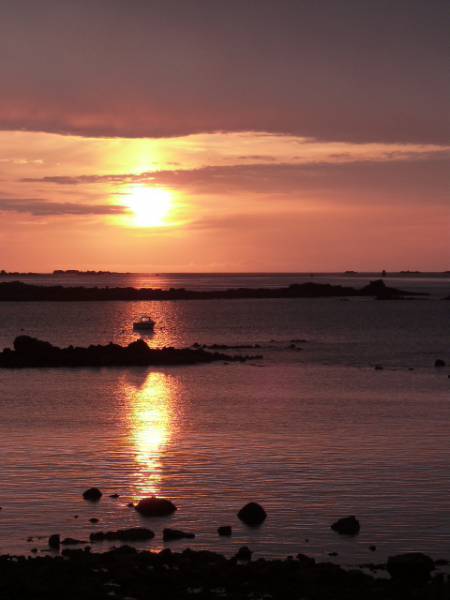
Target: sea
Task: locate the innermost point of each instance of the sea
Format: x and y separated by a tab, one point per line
344	414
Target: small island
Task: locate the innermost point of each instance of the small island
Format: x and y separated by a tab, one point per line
30	352
17	291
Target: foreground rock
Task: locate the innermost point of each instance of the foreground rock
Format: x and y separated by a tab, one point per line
413	566
155	507
133	534
126	573
346	526
93	494
252	514
244	554
31	352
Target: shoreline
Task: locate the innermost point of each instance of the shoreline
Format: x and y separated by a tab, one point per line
125	573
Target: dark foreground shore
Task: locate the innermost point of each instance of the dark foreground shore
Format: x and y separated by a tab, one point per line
16	291
126	574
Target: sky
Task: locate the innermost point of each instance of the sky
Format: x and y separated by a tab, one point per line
247	135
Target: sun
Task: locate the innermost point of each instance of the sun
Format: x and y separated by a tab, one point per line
150	206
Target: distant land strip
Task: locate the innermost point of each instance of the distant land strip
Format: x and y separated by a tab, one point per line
18	291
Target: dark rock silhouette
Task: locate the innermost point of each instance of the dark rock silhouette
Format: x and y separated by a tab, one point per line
439	362
54	541
162	575
31	352
155	507
346	526
413	566
72	542
244	554
132	534
305	561
176	534
252	514
17	291
225	531
93	494
93	520
114	496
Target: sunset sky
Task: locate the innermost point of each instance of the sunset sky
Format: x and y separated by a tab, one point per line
204	135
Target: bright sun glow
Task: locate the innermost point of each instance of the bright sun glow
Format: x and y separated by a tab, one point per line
150	206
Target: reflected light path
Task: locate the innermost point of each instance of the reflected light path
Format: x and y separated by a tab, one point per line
150	414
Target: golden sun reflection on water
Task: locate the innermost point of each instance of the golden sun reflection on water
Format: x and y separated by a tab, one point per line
151	427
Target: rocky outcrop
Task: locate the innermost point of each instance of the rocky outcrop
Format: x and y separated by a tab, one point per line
155	507
93	494
126	573
346	526
244	554
412	566
170	535
305	561
252	514
72	541
30	352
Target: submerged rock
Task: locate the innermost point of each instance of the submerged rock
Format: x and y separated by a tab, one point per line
439	362
252	514
346	526
93	494
176	534
155	507
412	566
131	534
224	531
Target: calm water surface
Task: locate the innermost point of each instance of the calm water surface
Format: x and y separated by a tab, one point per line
311	432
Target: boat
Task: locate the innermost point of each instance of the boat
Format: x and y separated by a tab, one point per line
145	323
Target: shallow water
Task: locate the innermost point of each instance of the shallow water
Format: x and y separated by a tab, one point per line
313	433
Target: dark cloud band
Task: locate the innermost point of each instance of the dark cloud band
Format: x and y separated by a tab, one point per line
43	208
